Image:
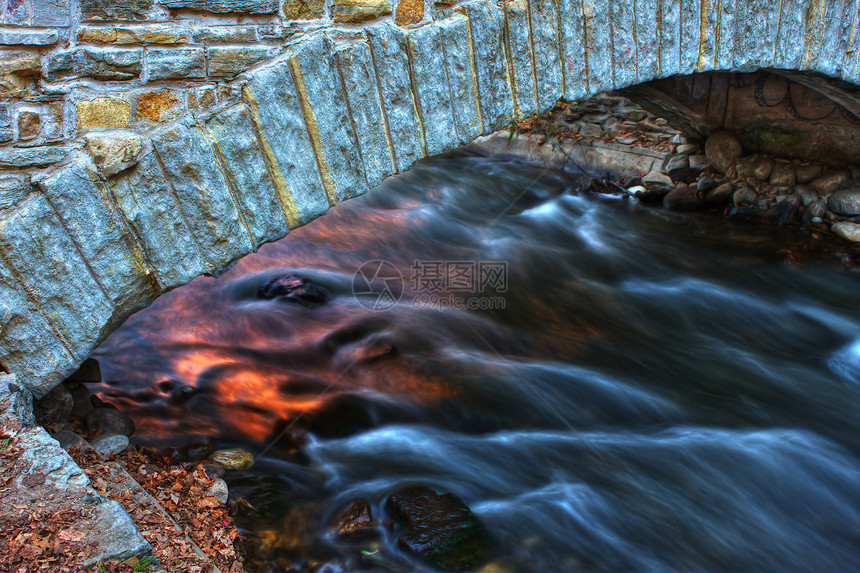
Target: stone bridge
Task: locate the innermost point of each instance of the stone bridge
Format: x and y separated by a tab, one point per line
104	209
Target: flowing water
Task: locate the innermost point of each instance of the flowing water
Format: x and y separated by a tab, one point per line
631	390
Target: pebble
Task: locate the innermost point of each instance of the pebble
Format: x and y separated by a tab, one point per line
658	181
744	195
721	194
763	168
219	490
783	175
110	445
233	458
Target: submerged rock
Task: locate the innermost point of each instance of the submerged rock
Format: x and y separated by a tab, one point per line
110	421
294	289
440	528
233	458
356	522
722	149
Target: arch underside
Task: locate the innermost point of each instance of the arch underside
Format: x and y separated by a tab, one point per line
332	117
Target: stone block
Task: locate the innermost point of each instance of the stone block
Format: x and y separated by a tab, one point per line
149	34
724	46
175	63
28	37
158	106
225	34
50	13
16	12
225	6
598	44
97	228
365	105
28	63
277	112
327	114
303	9
390	54
791	39
647	40
114	152
102	64
238	147
13	190
521	69
203	196
103	112
229	62
756	26
409	12
572	48
670	37
624	48
461	77
29	124
144	197
356	11
129	10
547	61
32	156
690	33
40	251
487	27
431	89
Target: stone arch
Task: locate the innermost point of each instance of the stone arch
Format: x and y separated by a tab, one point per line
333	115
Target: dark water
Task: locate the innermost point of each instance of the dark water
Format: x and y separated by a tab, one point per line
644	391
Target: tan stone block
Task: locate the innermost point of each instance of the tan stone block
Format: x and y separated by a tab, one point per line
133	35
14	85
20	62
354	11
409	12
28	124
303	9
153	105
115	152
228	62
103	112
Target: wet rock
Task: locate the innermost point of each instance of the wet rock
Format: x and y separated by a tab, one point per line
69	439
214	470
763	168
782	175
783	211
294	289
219	490
847	230
656	181
233	458
678	167
356	523
844	202
827	184
705	184
110	421
815	210
744	196
439	528
110	445
720	195
54	407
198	449
722	149
806	173
682	198
742	214
807	195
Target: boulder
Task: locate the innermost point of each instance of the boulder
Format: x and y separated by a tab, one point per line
233	458
678	167
845	202
847	230
683	198
69	439
806	173
744	196
720	195
827	184
807	195
783	175
763	168
439	528
82	401
722	149
110	421
110	445
657	181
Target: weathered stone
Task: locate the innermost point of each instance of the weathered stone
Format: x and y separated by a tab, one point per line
94	224
806	173
82	401
488	44
549	86
118	10
103	112
844	202
356	68
158	106
598	44
54	407
356	11
705	184
69	439
783	175
237	144
356	522
522	74
148	34
225	6
20	62
656	181
763	168
233	458
807	195
722	149
303	9
390	54
331	130
744	196
277	112
89	372
409	12
229	62
570	20
622	28
16	402
148	204
432	93
791	40
114	152
175	63
49	13
720	195
464	90
846	230
28	37
32	156
108	445
756	25
202	192
225	34
29	123
827	184
14	189
102	64
678	167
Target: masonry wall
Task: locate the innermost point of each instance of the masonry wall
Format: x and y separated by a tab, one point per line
146	142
